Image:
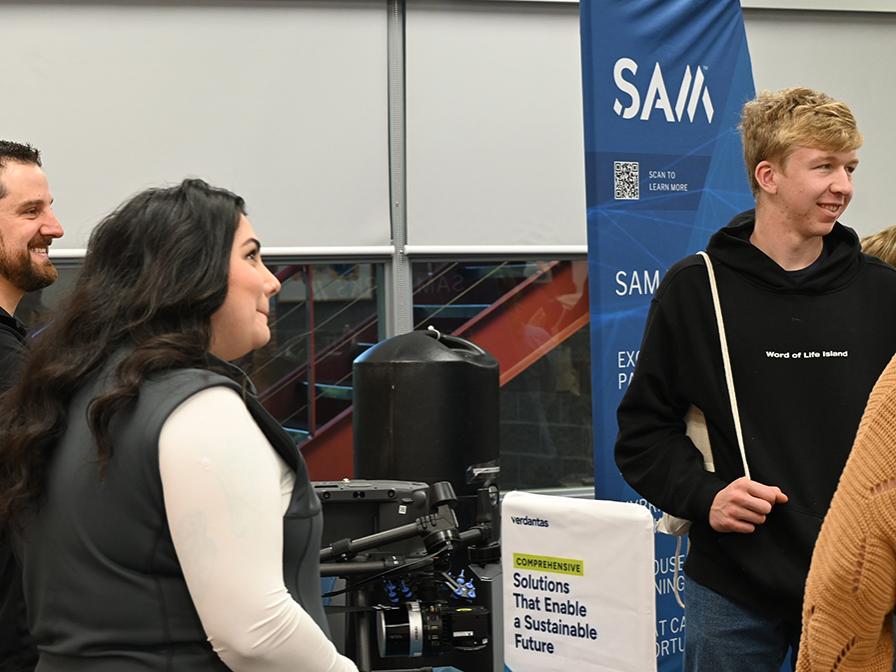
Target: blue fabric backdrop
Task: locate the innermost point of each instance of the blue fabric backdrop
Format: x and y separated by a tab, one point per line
664	82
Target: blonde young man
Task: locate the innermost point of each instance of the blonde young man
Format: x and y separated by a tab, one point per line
810	326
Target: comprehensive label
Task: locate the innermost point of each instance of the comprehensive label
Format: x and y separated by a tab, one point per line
546	563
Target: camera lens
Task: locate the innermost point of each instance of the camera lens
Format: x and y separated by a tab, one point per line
416	629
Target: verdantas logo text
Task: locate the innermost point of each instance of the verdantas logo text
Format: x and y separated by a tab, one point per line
526	520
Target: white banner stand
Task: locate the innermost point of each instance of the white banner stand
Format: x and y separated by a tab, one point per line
578	585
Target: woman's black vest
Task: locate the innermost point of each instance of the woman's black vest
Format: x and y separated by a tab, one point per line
103	585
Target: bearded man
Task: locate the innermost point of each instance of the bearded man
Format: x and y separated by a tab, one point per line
27	229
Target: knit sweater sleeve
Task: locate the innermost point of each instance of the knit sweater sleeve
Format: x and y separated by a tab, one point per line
852	580
225	492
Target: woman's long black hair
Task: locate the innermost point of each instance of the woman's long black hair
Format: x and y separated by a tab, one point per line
155	271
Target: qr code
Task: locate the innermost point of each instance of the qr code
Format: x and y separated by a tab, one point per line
625	181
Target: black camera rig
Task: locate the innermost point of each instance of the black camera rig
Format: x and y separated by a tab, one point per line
409	586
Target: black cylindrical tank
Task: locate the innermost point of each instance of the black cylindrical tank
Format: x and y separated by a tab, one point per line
425	409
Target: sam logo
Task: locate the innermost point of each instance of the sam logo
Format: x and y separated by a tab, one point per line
691	94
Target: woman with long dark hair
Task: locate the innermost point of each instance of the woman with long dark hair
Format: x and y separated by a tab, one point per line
164	521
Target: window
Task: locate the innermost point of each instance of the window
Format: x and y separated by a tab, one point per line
324	316
533	317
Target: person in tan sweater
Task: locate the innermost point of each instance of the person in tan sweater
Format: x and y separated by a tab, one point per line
851	589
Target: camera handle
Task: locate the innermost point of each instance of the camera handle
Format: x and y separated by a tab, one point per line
438	530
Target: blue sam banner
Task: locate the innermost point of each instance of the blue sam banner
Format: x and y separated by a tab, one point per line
664	82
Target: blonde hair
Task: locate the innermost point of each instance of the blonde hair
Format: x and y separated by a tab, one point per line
774	123
881	245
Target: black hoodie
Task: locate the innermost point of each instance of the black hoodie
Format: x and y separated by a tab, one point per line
806	348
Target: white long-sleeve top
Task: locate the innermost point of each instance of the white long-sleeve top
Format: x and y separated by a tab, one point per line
225	491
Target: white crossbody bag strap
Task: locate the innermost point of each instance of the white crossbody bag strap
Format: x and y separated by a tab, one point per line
729	380
726	360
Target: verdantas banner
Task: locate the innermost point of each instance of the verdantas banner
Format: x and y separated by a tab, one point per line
578	589
664	82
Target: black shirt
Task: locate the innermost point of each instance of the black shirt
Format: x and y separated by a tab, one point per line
17	654
12	349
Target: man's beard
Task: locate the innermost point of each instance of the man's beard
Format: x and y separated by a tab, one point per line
22	271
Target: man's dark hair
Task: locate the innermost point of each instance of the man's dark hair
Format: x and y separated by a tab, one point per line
16	151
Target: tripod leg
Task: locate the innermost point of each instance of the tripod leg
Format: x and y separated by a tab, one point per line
362	631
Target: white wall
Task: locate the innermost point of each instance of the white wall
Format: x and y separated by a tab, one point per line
495	135
283	102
